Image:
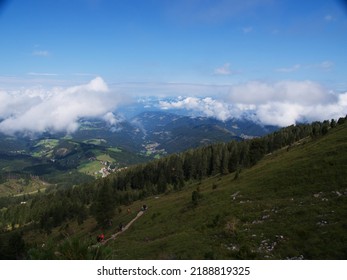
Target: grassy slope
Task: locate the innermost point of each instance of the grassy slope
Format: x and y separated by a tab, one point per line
18	187
290	205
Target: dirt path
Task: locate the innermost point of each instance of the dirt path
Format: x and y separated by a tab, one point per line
113	236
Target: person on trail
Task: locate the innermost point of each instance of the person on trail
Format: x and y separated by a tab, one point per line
100	237
120	227
144	207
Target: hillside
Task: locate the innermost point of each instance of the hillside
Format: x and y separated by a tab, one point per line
290	205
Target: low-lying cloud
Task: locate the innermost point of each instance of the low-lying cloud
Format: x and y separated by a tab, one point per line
207	106
58	109
282	103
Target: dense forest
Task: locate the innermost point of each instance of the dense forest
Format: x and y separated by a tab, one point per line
100	199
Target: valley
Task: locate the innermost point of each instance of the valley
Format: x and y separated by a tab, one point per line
98	149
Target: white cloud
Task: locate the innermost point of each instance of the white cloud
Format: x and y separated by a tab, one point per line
43	53
282	103
57	109
254	92
208	106
293	68
326	65
110	118
41	74
223	70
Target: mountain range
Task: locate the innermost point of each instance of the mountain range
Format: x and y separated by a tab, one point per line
166	131
66	159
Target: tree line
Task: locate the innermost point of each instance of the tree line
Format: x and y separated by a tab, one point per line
171	172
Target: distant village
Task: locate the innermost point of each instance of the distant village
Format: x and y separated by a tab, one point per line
107	167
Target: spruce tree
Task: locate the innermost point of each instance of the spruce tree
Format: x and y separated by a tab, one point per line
104	205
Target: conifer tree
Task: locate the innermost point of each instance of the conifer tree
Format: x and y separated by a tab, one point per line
104	205
162	183
332	123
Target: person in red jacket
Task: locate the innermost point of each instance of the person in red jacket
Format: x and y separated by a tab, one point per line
100	237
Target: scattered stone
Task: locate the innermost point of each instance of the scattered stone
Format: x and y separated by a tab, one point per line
318	195
267	246
338	193
301	257
233	196
231	247
243	202
322	223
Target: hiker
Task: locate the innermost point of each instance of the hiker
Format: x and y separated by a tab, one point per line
120	227
144	207
100	237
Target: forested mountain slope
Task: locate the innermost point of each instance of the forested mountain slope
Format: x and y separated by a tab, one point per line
290	205
279	196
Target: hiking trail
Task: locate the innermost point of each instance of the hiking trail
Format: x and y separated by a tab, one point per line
113	236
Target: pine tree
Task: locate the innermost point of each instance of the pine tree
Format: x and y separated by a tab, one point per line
225	161
332	123
216	160
162	183
257	149
104	205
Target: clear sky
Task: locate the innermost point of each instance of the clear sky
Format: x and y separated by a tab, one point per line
177	47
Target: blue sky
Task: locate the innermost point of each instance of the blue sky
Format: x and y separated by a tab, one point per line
174	47
175	41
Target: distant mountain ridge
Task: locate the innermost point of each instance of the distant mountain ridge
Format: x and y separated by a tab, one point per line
169	132
79	157
176	133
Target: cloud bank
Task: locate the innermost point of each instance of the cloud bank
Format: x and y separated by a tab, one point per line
58	109
207	106
282	103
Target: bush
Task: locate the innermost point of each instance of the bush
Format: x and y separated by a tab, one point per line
196	196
